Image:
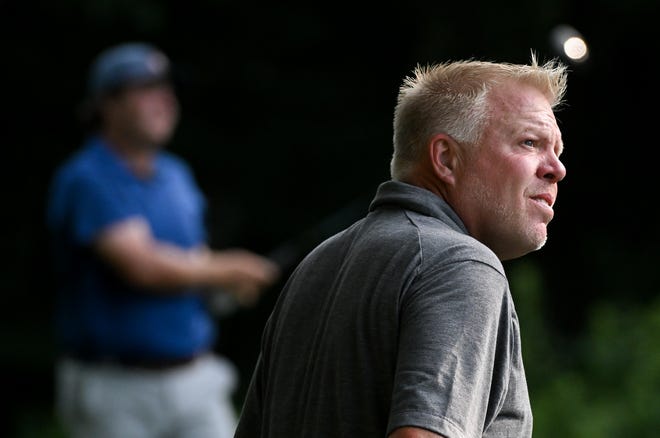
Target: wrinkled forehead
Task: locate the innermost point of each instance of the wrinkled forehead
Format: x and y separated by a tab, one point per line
522	108
520	95
521	103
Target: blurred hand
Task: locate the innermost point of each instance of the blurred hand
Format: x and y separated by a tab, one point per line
244	274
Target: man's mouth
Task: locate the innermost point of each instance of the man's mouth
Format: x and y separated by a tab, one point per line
544	199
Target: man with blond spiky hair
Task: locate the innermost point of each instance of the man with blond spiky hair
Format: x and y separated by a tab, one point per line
403	324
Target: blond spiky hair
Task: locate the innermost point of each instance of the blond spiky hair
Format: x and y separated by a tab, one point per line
451	97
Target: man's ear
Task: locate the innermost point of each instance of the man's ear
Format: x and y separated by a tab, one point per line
443	150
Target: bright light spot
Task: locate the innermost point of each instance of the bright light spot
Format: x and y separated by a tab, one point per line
568	42
575	48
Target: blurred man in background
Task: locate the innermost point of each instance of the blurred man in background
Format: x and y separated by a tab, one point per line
133	262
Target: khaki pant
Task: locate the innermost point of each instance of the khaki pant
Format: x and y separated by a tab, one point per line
107	401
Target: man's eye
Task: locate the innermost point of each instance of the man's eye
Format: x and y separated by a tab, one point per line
530	143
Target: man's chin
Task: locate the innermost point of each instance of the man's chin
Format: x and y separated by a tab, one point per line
541	237
537	238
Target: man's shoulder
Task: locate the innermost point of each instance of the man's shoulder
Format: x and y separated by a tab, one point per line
173	162
83	164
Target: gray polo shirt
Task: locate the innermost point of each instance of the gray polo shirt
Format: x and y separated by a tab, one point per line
402	319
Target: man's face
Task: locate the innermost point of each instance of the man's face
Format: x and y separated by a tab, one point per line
507	187
146	114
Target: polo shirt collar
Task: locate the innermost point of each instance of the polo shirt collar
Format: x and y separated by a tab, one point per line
417	199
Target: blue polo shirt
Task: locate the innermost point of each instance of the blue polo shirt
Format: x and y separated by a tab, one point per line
98	313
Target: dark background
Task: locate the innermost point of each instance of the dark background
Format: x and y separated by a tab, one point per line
286	120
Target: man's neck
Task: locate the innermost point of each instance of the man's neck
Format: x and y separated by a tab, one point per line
140	158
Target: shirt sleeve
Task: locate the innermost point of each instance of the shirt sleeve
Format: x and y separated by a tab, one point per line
453	350
93	206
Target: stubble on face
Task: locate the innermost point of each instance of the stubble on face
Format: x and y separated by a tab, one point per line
503	224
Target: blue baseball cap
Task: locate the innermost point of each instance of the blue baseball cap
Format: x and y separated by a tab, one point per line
125	65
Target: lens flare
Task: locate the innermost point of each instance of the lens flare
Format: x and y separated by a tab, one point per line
568	42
